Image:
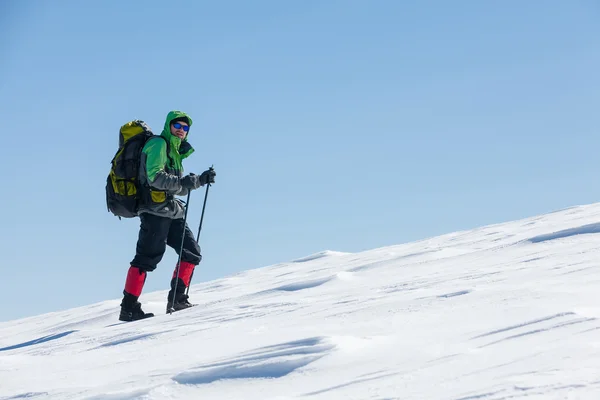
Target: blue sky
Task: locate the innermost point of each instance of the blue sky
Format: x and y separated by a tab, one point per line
341	125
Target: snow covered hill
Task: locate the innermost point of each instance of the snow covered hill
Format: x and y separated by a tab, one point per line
507	311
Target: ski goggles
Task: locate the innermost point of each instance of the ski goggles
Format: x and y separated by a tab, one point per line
177	125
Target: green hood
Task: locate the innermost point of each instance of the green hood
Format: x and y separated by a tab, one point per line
175	142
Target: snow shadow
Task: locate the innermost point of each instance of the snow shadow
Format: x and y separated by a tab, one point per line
385	263
542	392
581	230
524	324
43	339
540	330
267	362
127	340
137	394
566	320
317	256
294	287
350	383
29	395
481	395
454	294
115	324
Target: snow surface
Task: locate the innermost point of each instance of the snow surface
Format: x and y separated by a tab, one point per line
507	311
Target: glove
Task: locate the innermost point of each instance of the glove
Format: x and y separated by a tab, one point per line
207	176
191	182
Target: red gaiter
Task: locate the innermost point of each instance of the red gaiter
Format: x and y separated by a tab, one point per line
135	281
185	272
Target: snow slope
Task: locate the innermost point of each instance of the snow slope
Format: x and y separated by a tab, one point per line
507	311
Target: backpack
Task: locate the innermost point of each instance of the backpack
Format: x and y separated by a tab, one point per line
123	189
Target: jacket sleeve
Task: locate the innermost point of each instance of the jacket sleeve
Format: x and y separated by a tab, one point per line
156	160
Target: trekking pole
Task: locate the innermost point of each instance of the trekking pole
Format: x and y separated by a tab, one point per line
187	206
199	229
202	215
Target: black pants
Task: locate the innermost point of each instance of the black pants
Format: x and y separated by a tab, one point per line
158	232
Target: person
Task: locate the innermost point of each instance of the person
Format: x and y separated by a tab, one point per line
162	216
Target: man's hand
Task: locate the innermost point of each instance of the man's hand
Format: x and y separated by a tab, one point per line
207	176
191	181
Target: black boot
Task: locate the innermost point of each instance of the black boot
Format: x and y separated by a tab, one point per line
131	309
181	303
181	299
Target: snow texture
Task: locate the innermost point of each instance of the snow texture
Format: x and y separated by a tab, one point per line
507	311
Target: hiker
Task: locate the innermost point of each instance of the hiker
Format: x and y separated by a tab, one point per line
162	216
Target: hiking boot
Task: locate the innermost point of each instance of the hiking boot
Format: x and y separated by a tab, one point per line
181	303
133	314
132	311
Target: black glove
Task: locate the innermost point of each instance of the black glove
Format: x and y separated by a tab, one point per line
191	182
207	176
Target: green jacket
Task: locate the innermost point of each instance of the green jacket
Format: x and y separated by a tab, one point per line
161	172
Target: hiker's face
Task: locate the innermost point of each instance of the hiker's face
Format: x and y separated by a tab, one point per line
177	129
